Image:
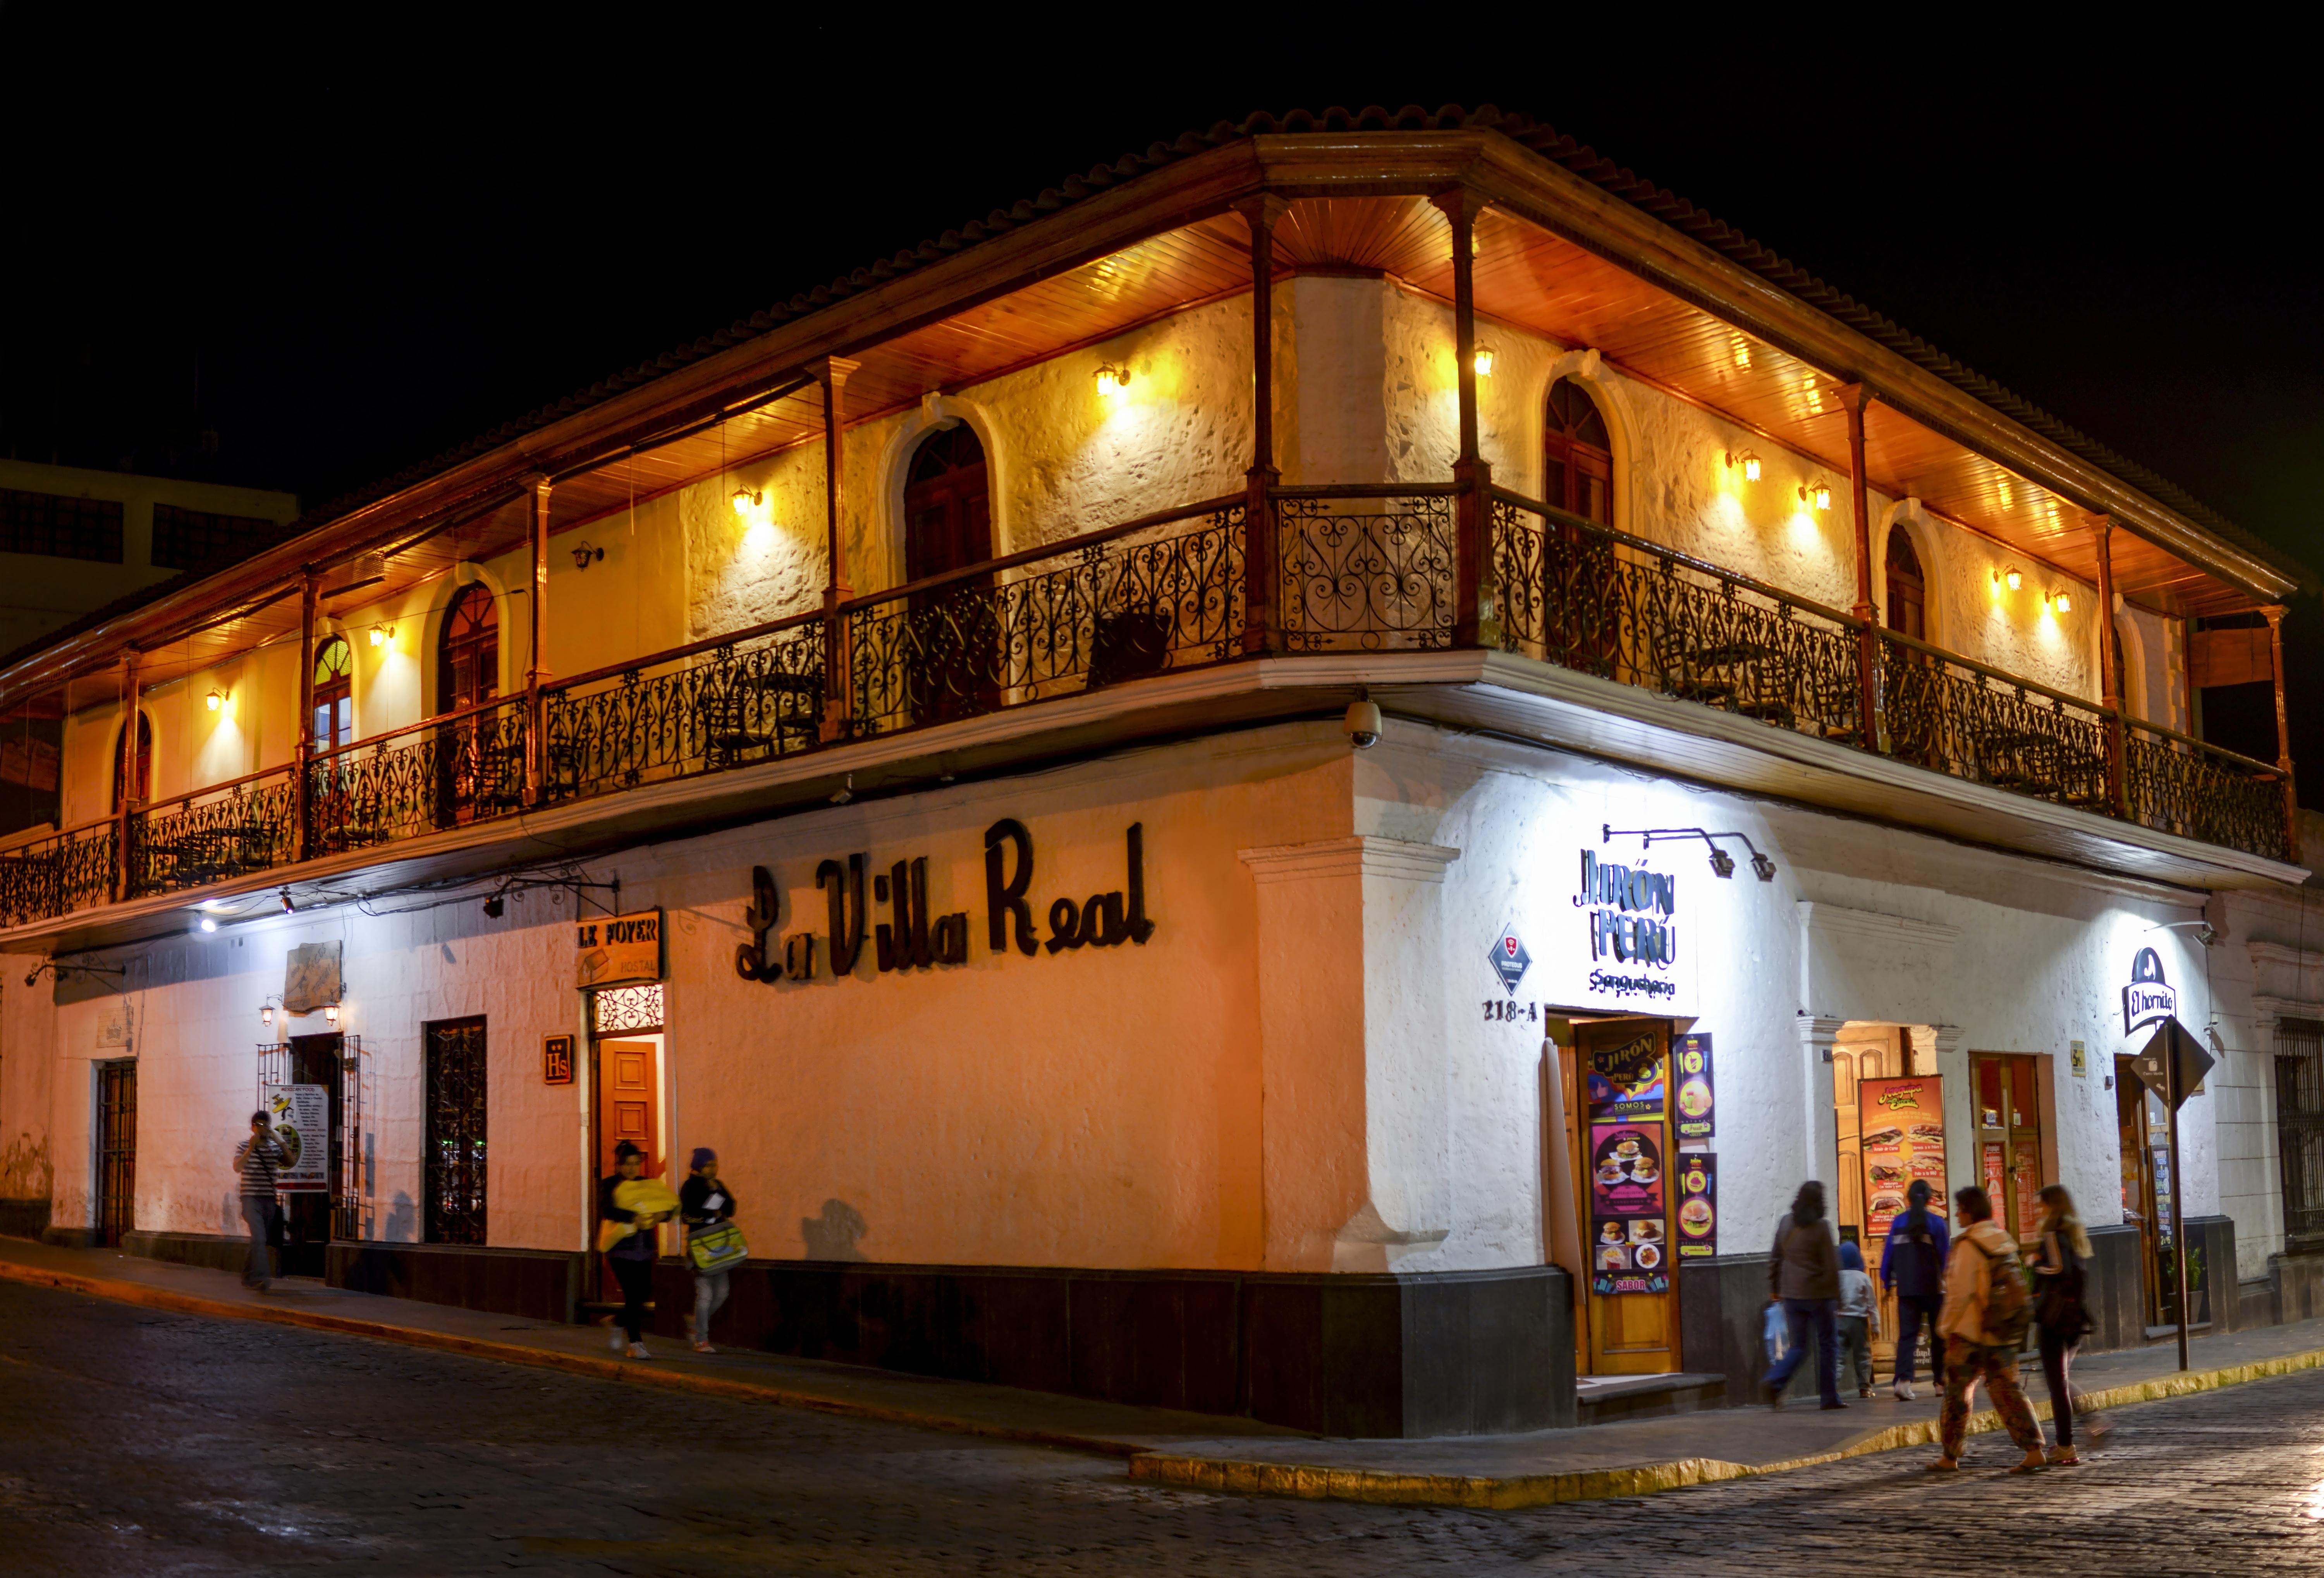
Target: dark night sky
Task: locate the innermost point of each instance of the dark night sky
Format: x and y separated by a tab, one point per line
343	259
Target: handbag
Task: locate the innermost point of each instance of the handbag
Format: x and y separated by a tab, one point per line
2064	1314
716	1246
611	1233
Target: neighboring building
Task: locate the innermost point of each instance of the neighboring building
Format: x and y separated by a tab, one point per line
1015	897
72	541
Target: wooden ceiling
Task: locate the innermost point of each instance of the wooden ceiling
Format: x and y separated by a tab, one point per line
1526	276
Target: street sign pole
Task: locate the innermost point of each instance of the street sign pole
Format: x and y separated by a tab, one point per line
2178	1191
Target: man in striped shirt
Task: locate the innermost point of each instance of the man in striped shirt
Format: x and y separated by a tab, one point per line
258	1159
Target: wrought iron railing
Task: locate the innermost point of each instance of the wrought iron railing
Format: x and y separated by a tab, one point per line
465	766
68	870
1584	597
229	829
1365	569
2179	785
753	697
1958	717
1135	600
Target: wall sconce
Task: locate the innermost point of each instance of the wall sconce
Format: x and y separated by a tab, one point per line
330	1013
584	556
209	923
2012	579
266	1014
1484	361
1112	379
214	701
288	907
1746	459
2064	602
382	635
1816	495
746	500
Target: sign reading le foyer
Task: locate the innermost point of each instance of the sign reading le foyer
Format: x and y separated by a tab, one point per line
618	950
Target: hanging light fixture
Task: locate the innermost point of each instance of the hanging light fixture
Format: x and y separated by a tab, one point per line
747	500
330	1013
382	635
1816	495
1748	461
1484	361
2063	602
215	700
266	1014
1112	379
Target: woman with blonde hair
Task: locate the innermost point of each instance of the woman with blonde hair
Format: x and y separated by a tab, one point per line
2061	1316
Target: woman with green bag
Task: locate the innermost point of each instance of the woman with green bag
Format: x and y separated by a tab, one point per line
713	1243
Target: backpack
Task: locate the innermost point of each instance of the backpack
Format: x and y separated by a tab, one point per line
1917	1249
2009	1305
2063	1313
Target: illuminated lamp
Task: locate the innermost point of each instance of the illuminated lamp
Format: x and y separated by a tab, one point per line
266	1015
382	635
1112	379
746	500
2063	602
214	701
209	923
330	1013
1484	361
1748	460
1816	495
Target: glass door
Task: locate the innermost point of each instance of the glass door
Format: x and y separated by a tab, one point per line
2005	1100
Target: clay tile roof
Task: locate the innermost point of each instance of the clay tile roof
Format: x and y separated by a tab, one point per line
1544	139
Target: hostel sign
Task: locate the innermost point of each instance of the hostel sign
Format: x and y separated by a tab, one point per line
618	950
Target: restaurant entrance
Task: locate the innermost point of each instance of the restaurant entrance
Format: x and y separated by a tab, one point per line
625	1098
1617	1145
1890	1127
2148	1198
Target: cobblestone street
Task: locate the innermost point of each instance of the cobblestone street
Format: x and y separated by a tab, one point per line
145	1442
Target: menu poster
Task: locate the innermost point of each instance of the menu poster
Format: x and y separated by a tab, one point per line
1626	1081
1698	1206
2025	1172
1901	1135
300	1117
1629	1252
1993	1173
1695	1119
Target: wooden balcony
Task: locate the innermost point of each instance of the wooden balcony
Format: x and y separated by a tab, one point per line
1368	570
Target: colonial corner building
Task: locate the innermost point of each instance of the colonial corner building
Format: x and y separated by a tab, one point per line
1303	778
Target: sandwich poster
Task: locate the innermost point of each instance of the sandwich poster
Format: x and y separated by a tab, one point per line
1691	1054
1901	1137
1626	1081
1629	1251
1698	1206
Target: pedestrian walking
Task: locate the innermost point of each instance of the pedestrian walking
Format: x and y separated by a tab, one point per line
1805	1276
713	1243
2061	1316
1913	1268
629	1205
1859	1320
1987	1309
259	1160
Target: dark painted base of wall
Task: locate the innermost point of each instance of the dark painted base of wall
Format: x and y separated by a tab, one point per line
215	1250
24	1218
69	1237
1446	1354
540	1284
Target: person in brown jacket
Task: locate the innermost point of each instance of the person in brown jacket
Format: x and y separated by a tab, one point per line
1804	1277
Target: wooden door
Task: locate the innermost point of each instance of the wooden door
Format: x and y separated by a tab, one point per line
628	1102
1625	1152
116	1149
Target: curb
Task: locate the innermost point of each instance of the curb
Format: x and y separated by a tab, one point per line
607	1369
1480	1492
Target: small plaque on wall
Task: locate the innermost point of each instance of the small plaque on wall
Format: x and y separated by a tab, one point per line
557	1060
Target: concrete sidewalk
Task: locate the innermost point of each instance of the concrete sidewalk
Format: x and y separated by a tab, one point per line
1198	1451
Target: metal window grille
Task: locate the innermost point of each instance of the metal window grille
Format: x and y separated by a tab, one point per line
277	1065
2299	1130
195	539
624	1010
455	1131
116	1187
58	527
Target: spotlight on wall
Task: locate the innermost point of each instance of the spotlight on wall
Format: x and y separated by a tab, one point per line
1484	361
1112	379
214	701
1816	495
330	1013
494	908
746	500
1723	864
845	792
288	907
584	555
1762	867
209	923
382	635
1748	460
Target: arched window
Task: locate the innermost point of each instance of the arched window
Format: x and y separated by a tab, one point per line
1580	474
468	663
948	505
335	692
1908	593
144	763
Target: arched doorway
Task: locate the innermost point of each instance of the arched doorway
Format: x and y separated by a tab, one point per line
335	692
1579	454
1908	588
477	773
948	505
949	660
1578	617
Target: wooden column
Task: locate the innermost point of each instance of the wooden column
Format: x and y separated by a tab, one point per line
2110	692
1475	478
536	713
126	825
837	673
1259	533
1854	398
2275	613
302	788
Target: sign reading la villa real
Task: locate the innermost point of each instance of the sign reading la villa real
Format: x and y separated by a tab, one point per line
913	938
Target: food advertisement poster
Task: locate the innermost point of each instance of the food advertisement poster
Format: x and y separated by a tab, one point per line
2026	1173
301	1119
1901	1137
1626	1080
1690	1058
1629	1252
1992	1174
1698	1206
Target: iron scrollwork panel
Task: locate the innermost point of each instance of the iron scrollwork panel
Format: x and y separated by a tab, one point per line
456	1174
469	769
1367	575
2175	786
56	875
250	828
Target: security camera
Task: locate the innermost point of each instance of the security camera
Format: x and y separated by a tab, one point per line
1363	724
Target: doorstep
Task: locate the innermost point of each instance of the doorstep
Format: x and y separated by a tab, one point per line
2164	1334
1601	1399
